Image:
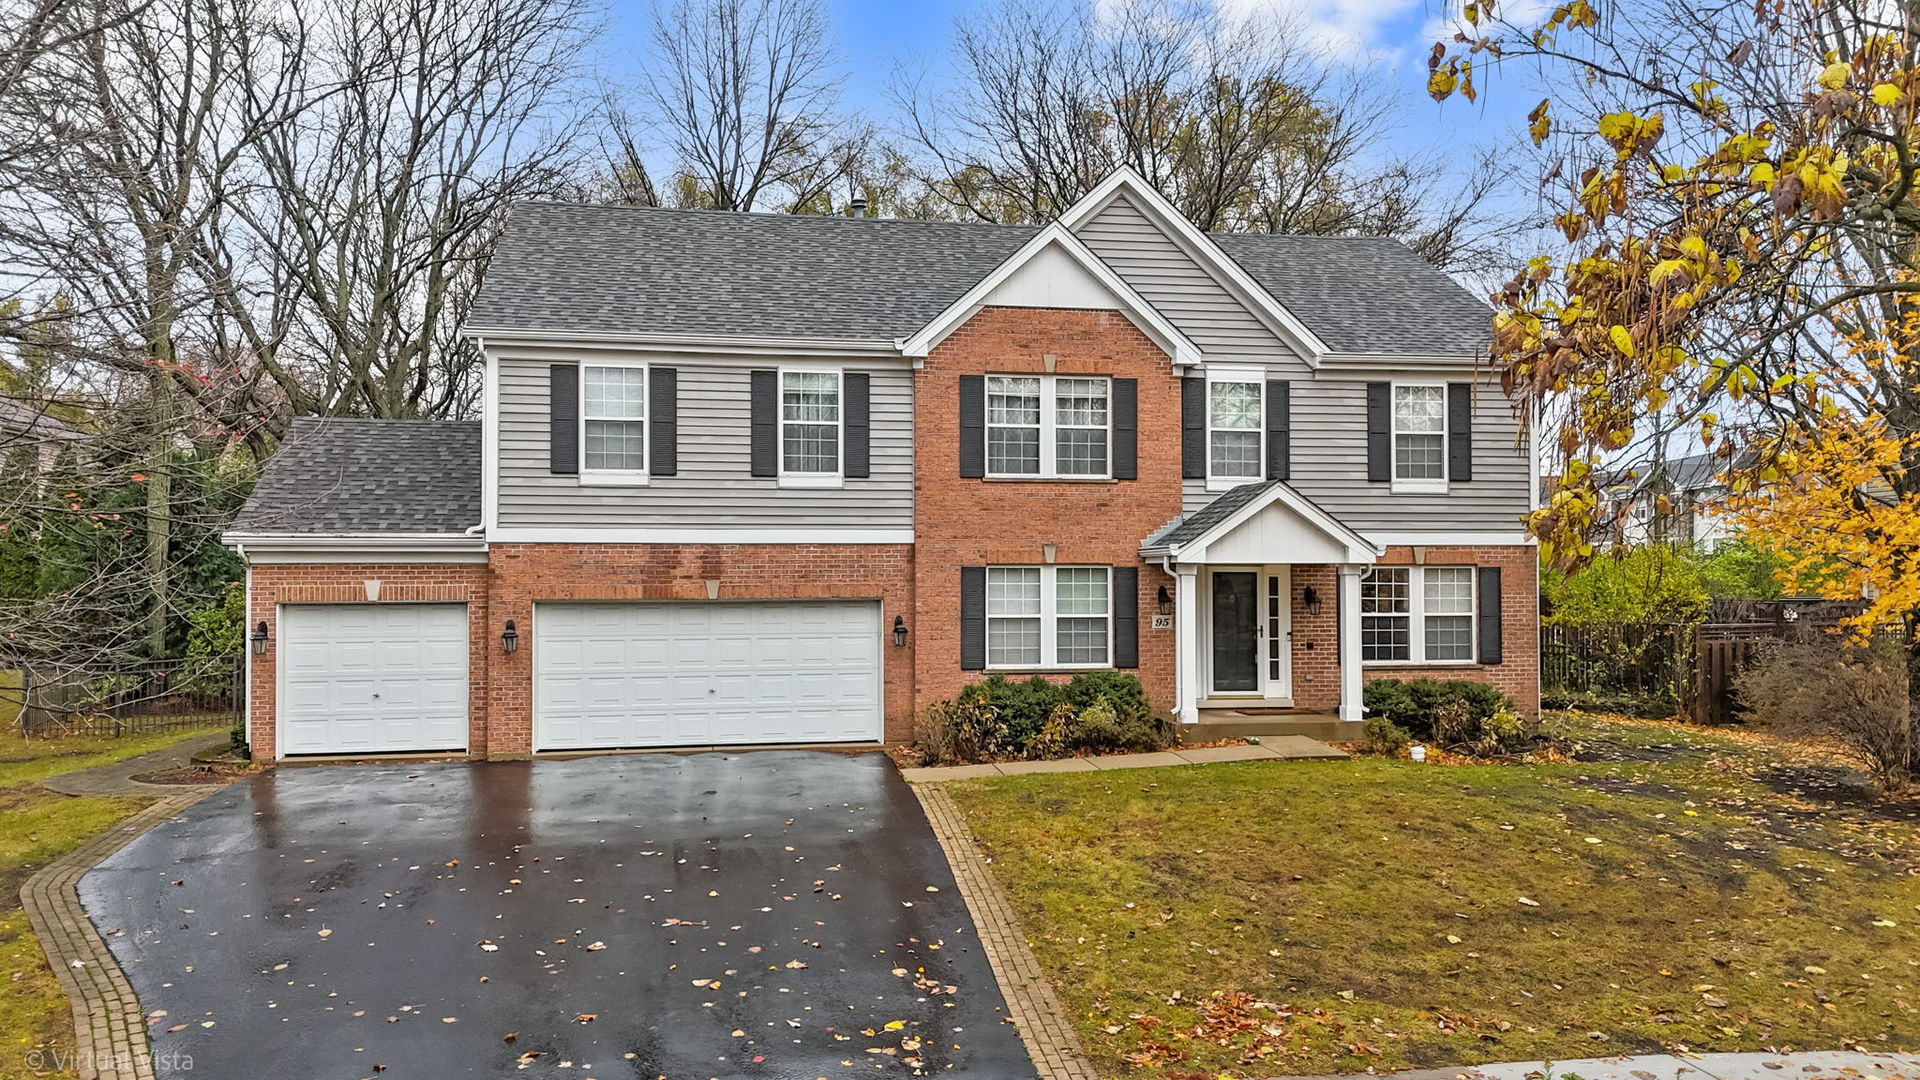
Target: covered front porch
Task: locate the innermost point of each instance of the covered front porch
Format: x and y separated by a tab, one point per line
1266	614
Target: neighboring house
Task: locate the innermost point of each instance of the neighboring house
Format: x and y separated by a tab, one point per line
1675	500
24	423
759	479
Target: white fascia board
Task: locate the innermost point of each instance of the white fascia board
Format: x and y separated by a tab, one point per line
1452	539
1144	315
803	535
716	343
1201	247
360	547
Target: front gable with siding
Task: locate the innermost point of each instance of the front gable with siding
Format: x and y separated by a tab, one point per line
755	478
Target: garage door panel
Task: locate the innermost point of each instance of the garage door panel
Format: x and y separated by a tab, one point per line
706	673
370	678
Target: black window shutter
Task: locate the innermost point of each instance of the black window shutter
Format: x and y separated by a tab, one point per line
1279	429
1489	614
563	419
1193	429
1126	429
663	405
1379	433
1126	616
973	427
973	618
764	399
1459	431
855	390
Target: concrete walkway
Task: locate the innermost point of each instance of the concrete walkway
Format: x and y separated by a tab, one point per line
118	777
1275	748
1807	1065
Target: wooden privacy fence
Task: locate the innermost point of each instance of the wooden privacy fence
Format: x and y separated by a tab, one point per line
157	695
1667	668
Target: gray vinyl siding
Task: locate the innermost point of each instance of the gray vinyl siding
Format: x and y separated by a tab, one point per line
1183	291
714	487
1330	461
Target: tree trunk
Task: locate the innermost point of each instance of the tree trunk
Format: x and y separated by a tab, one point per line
159	512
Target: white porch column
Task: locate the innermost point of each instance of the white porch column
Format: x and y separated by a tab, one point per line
1349	616
1186	658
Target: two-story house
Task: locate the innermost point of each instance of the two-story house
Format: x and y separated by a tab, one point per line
758	479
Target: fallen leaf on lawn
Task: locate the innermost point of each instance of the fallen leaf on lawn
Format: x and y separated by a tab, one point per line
1530	903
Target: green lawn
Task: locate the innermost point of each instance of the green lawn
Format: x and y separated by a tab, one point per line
1686	891
36	826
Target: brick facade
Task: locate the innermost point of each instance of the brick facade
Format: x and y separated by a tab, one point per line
959	522
980	522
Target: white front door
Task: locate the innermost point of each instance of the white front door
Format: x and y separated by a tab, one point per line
372	678
1249	631
704	674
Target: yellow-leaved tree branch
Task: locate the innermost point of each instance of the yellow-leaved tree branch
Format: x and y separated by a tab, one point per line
1733	186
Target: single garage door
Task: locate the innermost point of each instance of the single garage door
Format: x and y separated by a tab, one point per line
372	678
703	674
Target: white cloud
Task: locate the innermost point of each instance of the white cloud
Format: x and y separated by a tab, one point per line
1350	30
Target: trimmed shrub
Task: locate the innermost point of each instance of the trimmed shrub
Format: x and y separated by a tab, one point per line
1414	703
1096	712
1383	736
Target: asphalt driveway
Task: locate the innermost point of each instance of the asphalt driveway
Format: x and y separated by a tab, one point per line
768	914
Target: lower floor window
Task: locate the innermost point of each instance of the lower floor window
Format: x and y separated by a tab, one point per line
1416	614
1049	616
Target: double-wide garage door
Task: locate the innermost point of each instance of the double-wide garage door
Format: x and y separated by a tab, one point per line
372	678
703	674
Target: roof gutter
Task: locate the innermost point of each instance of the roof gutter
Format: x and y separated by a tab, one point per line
681	342
370	543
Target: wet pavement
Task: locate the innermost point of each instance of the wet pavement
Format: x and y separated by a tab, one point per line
770	914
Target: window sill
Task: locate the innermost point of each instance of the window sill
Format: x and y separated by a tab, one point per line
1420	663
1051	480
1419	487
805	480
1056	670
1228	483
612	479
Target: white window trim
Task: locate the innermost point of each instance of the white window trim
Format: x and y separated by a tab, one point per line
834	479
1417	618
619	477
1224	374
1423	486
1049	619
1049	440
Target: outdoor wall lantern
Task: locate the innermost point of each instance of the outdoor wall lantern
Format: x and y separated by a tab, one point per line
1310	599
259	638
510	638
899	630
1165	601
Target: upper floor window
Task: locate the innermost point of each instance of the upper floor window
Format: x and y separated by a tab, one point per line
810	425
1417	614
1049	616
1420	437
1048	426
1235	430
613	419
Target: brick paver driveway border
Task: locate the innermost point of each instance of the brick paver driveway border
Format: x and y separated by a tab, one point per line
110	1029
1042	1023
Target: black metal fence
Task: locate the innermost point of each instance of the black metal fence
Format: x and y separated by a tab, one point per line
157	695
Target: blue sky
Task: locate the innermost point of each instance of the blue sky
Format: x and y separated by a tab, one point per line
874	35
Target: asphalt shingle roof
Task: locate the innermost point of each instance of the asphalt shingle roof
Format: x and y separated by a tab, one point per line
1196	524
353	477
24	419
636	270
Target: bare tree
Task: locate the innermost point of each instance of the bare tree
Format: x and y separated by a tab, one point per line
746	95
1242	127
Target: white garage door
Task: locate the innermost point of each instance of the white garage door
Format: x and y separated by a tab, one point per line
693	674
370	678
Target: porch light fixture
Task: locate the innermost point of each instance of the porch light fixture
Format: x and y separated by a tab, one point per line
1310	599
899	630
510	638
1165	601
259	638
